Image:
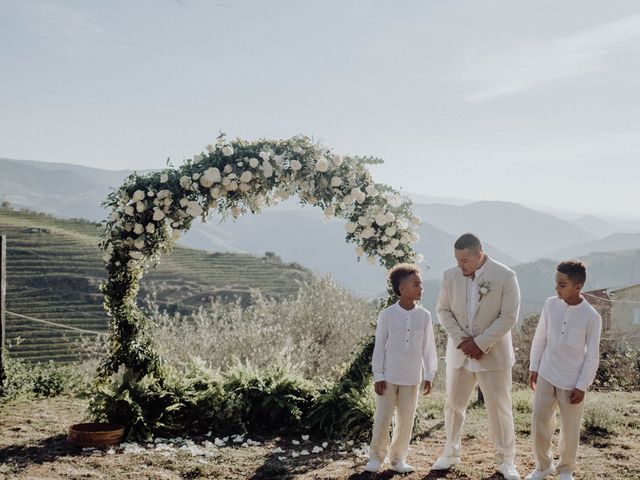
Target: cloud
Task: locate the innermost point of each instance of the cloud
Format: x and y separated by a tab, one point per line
525	67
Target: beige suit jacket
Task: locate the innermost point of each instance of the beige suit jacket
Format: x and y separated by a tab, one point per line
496	314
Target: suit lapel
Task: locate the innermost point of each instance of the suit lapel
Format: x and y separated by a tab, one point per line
486	275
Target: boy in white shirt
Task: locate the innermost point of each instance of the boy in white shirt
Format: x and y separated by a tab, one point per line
404	356
564	359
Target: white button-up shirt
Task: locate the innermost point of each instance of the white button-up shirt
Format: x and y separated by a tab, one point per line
405	346
473	297
566	346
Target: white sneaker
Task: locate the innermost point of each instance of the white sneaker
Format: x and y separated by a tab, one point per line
540	474
402	467
566	476
509	472
372	466
445	463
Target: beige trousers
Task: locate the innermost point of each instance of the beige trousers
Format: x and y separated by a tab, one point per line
496	388
403	399
546	400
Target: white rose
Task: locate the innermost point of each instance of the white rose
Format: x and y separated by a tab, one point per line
253	162
140	207
138	195
419	258
371	260
296	165
347	199
128	210
414	237
184	201
267	169
185	182
115	216
138	229
371	191
195	176
236	211
227	169
150	228
157	214
322	165
359	251
215	192
329	211
198	158
243	187
297	149
139	244
264	155
312	200
227	150
337	160
163	194
164	178
175	235
277	159
135	255
150	193
381	219
394	242
364	221
415	221
283	194
336	182
231	187
210	148
398	253
360	197
350	227
368	233
246	176
391	231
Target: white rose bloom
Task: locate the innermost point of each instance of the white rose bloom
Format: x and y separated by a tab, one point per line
296	165
240	164
115	216
336	182
267	169
150	228
347	199
312	200
226	181
391	231
368	233
419	258
253	162
138	229
415	221
215	192
364	221
164	178
322	165
139	244
138	195
371	260
227	150
227	169
359	251
329	211
140	207
175	235
184	201
194	209
277	159
151	194
337	160
384	238
195	176
398	253
163	194
210	148
185	182
134	254
236	211
198	158
360	197
371	191
394	242
402	224
414	237
304	186
264	155
232	187
157	214
128	210
381	219
350	227
246	176
297	149
244	187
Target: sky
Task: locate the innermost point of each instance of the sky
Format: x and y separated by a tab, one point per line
534	102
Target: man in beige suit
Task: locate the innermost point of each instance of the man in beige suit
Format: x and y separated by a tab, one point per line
478	306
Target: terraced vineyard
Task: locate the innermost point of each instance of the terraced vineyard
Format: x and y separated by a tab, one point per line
54	270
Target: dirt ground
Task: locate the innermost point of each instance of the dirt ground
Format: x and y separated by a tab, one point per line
33	446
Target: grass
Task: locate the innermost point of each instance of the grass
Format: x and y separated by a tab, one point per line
54	274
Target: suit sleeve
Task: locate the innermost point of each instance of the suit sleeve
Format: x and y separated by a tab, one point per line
445	315
507	319
380	348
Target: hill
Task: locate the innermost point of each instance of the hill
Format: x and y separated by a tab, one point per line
54	270
613	242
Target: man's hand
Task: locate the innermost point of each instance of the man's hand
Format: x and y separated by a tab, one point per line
533	380
426	387
470	349
576	396
380	386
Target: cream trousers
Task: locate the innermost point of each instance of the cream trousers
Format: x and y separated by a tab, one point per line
403	400
546	401
496	388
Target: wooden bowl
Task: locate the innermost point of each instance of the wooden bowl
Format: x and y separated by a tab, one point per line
95	434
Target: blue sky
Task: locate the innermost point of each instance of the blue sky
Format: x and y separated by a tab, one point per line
532	101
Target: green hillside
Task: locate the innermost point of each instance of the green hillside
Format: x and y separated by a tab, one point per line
54	270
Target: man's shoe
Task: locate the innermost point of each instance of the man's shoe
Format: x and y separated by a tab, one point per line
566	476
445	463
508	471
402	467
372	466
540	474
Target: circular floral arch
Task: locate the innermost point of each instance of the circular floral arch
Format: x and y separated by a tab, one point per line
231	178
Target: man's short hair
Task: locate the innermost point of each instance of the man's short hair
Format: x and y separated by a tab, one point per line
574	269
470	241
399	273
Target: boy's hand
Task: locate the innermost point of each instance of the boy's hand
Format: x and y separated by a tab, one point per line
576	396
379	387
426	387
533	380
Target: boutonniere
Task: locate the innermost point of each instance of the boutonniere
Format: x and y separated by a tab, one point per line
484	287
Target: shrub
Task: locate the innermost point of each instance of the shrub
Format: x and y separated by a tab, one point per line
602	417
39	379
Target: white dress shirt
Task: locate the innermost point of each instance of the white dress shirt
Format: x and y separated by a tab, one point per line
404	346
566	346
473	297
